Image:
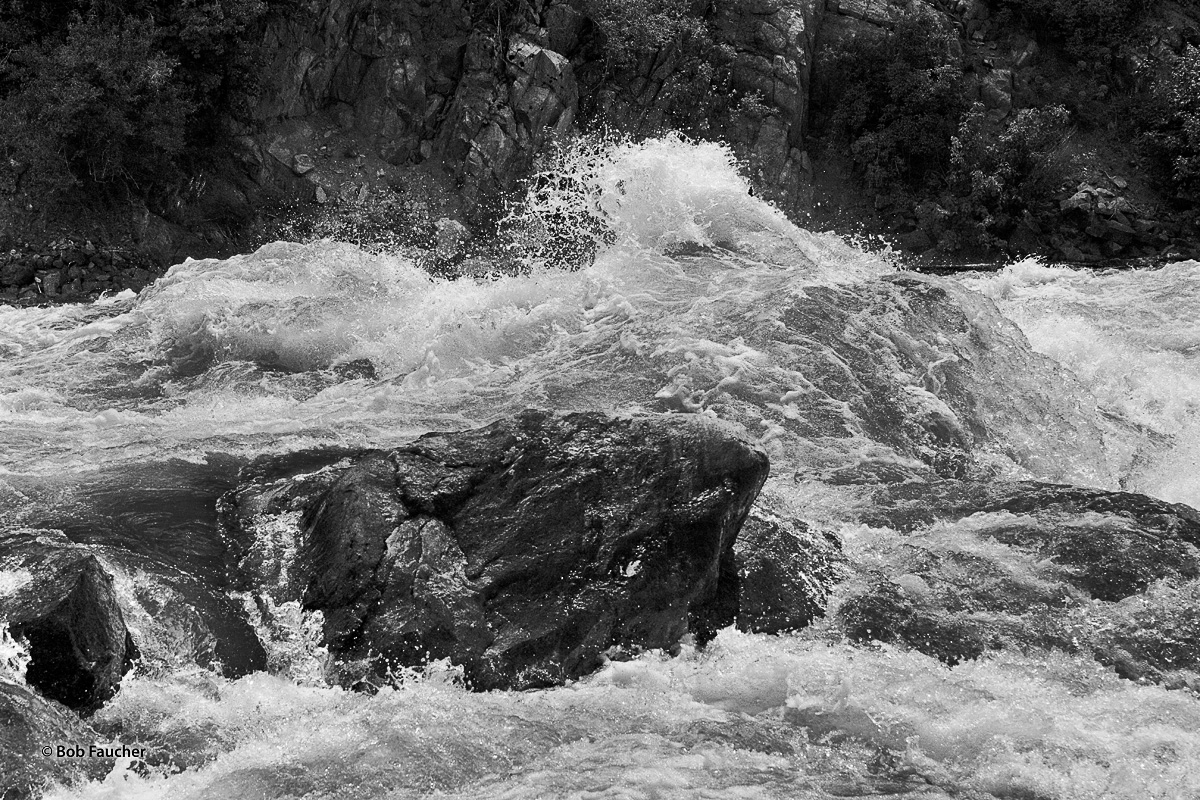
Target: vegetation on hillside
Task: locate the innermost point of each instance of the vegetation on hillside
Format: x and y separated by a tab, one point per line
968	174
896	99
1170	123
117	96
1087	28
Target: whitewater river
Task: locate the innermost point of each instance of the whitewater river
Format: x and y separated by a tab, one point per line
122	421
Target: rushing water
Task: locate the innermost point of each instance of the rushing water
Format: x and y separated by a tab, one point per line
122	421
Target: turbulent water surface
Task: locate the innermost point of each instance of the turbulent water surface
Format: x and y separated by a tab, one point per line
122	421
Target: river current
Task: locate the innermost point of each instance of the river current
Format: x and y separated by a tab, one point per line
123	420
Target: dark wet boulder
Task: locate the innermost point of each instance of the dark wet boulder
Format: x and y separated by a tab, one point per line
523	551
60	601
154	527
179	620
786	570
29	723
886	613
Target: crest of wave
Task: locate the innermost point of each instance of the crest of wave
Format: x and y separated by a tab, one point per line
658	195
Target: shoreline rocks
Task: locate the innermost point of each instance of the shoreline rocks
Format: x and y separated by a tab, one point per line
69	273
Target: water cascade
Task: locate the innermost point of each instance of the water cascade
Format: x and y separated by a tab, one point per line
122	422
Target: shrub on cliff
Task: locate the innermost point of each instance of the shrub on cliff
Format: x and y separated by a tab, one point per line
100	106
1170	120
896	99
1088	28
1001	171
629	36
113	94
635	28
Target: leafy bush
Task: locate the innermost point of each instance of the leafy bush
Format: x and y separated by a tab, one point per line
112	94
633	28
1171	122
102	105
996	177
896	98
1087	27
696	96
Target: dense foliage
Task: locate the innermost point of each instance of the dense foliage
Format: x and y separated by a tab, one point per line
697	96
896	102
635	28
999	176
1171	122
114	93
896	98
1087	27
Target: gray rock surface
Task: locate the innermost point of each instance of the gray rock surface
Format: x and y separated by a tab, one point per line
1036	565
427	81
786	570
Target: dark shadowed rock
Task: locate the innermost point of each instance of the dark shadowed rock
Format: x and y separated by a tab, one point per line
785	572
63	605
17	273
523	551
154	528
27	724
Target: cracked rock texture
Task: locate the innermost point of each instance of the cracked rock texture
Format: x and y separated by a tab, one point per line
524	551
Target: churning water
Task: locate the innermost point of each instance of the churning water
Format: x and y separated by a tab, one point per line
120	422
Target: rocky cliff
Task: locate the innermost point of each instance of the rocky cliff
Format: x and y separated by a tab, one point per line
480	90
410	120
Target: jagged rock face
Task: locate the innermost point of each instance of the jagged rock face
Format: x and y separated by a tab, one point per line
522	551
484	94
62	604
27	724
769	44
421	80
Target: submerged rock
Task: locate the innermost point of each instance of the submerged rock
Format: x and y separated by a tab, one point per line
522	551
29	723
153	526
60	601
987	565
1112	544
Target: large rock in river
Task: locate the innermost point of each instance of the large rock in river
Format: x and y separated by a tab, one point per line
59	599
523	551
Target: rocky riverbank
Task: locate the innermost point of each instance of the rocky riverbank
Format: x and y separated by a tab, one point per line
65	272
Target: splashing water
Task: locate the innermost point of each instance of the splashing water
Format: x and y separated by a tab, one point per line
700	299
1131	339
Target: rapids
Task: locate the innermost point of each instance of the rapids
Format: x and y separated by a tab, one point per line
122	422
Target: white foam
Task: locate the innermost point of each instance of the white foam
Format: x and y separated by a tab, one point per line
1131	339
